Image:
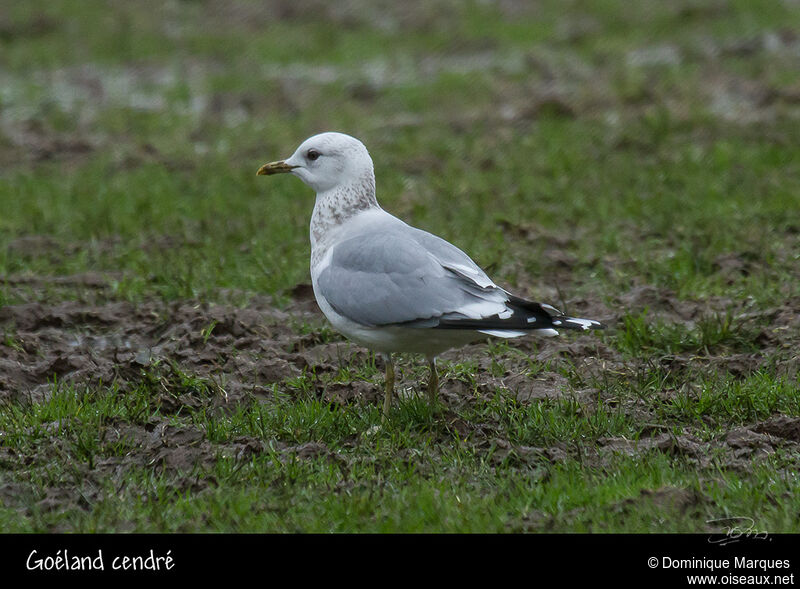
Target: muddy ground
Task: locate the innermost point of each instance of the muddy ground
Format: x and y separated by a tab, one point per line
241	354
153	93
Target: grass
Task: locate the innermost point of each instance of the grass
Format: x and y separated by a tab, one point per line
404	477
578	152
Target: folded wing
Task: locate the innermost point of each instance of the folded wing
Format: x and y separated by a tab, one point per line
418	280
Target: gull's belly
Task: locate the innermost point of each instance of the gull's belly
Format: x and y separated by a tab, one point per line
395	339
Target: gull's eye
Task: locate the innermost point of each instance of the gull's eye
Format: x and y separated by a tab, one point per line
313	154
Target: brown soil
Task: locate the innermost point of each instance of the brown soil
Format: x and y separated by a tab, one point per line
74	342
240	353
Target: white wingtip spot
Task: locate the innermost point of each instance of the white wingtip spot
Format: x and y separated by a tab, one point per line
546	332
502	333
584	323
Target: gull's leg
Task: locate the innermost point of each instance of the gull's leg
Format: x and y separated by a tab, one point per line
433	381
389	391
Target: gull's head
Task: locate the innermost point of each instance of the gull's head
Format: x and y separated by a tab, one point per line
326	161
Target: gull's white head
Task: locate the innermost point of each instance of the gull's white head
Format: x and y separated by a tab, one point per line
327	161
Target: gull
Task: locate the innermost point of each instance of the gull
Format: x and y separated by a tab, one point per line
391	287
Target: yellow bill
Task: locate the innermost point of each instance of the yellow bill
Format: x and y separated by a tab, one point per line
271	168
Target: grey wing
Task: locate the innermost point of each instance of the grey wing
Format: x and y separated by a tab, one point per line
391	278
451	257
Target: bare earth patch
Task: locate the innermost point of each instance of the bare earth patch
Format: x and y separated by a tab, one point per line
242	354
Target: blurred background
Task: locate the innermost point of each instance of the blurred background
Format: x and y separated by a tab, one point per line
596	143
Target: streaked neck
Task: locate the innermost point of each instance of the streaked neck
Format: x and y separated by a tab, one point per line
334	207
